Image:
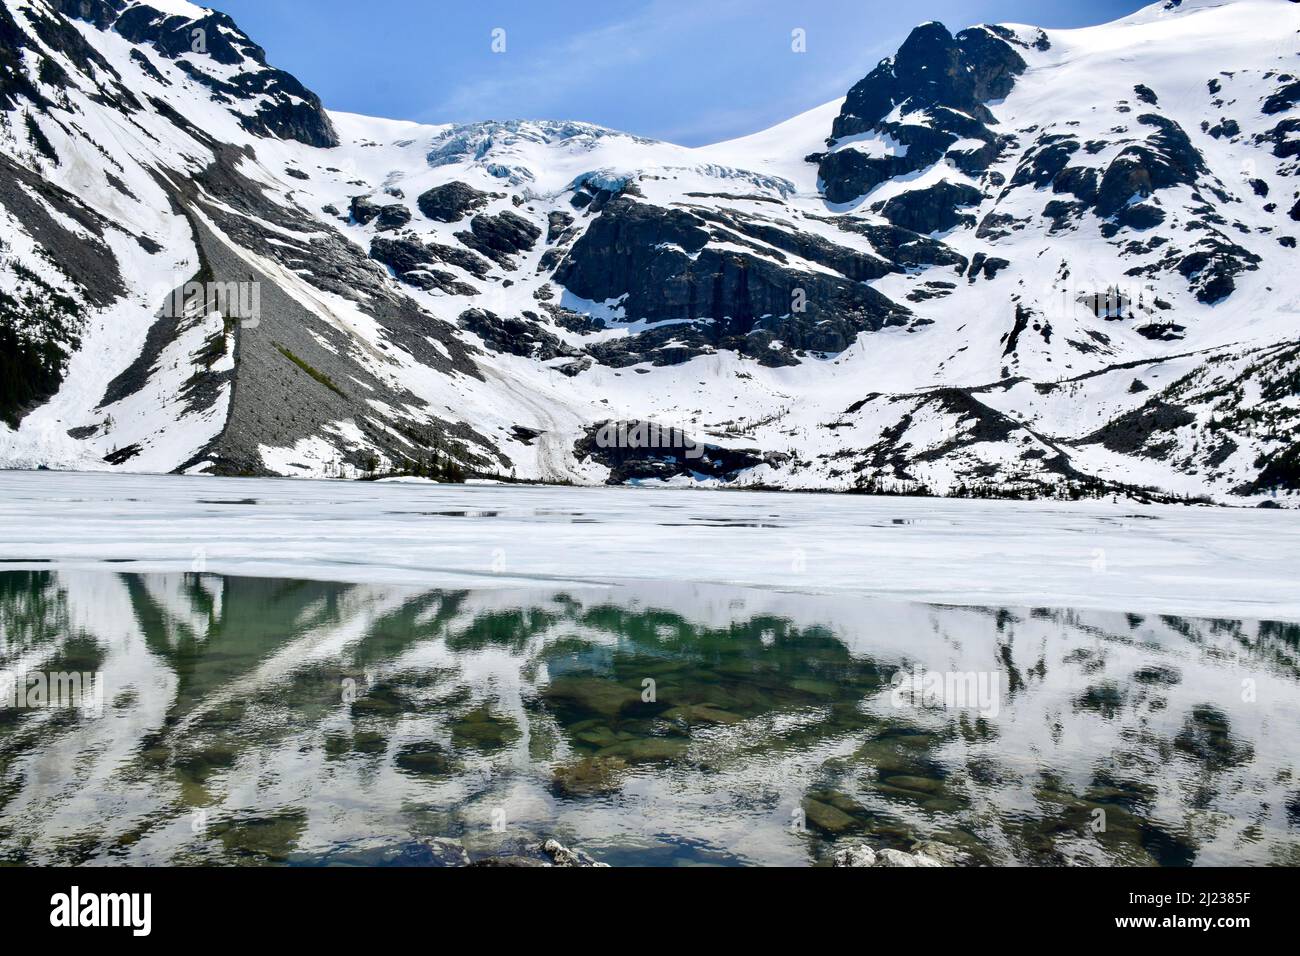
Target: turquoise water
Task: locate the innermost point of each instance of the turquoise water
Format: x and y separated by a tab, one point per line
248	721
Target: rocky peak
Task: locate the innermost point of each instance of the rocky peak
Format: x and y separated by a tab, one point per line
933	68
283	107
939	85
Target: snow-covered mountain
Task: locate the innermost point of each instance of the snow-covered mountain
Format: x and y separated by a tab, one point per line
1009	261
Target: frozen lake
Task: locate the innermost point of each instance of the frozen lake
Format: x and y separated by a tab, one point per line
342	673
1210	562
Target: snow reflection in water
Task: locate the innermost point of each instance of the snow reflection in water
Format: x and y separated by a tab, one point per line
258	720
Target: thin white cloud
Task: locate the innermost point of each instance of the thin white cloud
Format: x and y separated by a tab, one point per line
587	57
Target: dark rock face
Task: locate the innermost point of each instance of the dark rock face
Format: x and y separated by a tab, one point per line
500	237
903	248
1212	266
559	228
391	217
522	337
385	216
81	254
1167	158
1224	128
1135	216
414	263
1283	98
401	254
1063	213
982	264
933	68
934	209
60	36
452	202
1159	332
847	173
847	262
1012	338
659	263
295	113
590	196
1046	163
287	110
363	209
645	451
670	344
1281	136
950	79
14	82
1124	197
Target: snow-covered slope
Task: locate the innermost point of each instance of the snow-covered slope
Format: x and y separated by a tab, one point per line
1009	261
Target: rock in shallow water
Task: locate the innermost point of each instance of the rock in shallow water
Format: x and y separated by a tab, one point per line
562	856
547	853
855	856
925	855
899	858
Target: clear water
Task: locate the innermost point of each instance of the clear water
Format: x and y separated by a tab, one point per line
265	721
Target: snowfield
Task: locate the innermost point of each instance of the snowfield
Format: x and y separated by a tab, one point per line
1115	556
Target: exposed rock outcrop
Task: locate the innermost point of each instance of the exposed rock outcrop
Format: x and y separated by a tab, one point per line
659	264
522	336
500	237
452	202
941	83
281	106
641	451
936	208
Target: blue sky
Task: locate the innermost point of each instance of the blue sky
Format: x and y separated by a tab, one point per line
690	71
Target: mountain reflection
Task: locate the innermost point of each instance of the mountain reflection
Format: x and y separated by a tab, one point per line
253	721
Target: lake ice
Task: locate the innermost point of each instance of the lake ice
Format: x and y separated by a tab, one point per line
1117	556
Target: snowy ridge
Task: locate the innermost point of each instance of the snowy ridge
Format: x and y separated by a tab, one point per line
1062	268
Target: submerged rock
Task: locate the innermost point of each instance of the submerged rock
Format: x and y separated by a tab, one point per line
827	818
700	714
423	851
589	776
593	695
